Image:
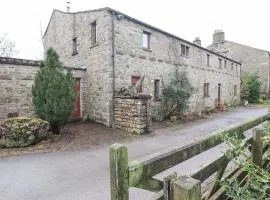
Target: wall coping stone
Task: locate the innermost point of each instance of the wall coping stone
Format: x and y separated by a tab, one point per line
138	96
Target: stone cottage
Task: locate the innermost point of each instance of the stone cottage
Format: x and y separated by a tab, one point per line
253	60
108	50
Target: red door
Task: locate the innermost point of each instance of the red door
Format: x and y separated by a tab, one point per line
77	109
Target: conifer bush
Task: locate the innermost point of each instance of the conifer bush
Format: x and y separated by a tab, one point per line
53	92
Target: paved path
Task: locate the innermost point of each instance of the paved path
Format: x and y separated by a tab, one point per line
84	174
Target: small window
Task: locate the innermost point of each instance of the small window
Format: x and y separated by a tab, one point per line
235	90
93	33
184	50
206	90
220	63
157	89
232	66
146	40
74	46
236	68
134	80
208	60
225	64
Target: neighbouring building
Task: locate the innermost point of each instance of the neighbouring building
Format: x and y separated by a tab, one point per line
253	60
109	50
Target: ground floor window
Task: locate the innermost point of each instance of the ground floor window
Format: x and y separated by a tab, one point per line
206	90
134	80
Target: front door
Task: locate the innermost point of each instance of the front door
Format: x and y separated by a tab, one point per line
76	114
219	93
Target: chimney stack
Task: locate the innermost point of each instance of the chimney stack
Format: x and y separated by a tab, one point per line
218	36
197	41
68	6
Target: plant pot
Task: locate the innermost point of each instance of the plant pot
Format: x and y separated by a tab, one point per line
245	102
173	118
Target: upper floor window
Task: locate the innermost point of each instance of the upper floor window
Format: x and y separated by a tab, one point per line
232	66
184	50
208	60
225	63
146	40
93	33
236	68
220	63
74	46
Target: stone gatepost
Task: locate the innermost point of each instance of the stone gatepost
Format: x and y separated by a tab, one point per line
133	114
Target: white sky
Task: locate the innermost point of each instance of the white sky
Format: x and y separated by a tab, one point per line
244	21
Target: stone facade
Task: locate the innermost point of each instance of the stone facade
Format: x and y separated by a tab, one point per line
133	114
16	80
253	60
118	55
96	59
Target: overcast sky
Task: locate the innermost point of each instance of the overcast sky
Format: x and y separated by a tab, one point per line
244	21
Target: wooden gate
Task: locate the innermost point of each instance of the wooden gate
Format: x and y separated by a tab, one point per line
76	114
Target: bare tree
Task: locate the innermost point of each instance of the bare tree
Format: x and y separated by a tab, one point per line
7	47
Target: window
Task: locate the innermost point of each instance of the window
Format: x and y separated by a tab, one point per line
157	89
93	33
225	64
232	66
236	68
235	90
74	46
134	80
184	50
206	90
208	60
220	63
146	40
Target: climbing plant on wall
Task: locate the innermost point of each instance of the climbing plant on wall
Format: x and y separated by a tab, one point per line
177	93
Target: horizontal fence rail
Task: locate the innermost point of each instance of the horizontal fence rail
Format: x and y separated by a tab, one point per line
139	173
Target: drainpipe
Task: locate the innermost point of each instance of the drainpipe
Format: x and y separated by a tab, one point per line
113	71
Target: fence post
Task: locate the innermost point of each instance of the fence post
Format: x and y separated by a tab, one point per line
167	185
257	147
119	172
185	188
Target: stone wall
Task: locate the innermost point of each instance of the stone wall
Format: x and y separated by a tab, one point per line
133	114
16	80
254	60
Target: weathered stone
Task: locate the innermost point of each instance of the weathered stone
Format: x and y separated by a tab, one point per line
22	132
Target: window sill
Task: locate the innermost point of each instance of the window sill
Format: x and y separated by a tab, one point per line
185	56
146	49
94	45
74	53
206	96
157	99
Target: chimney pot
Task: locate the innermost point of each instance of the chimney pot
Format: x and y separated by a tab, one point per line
197	41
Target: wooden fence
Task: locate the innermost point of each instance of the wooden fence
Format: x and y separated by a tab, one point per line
139	173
